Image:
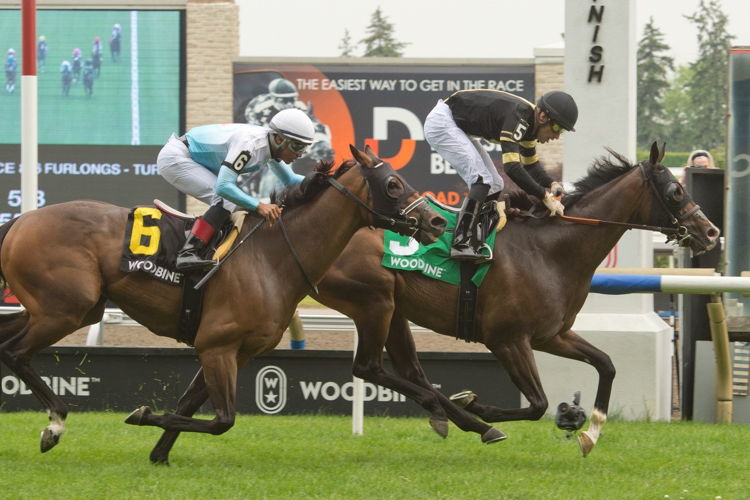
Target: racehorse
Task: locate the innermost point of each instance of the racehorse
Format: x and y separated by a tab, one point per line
62	262
528	300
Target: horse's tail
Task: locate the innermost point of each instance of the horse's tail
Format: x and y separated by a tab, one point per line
3	231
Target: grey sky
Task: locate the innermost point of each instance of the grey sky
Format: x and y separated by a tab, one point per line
473	28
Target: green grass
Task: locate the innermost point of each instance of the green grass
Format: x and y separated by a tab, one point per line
106	117
318	457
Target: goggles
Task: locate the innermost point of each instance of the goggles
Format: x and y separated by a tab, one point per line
296	146
556	127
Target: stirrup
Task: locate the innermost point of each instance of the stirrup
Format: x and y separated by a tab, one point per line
187	264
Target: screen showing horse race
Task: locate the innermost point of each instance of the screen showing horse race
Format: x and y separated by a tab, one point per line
104	77
109	96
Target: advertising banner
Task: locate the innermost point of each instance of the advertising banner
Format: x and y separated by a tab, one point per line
281	382
380	105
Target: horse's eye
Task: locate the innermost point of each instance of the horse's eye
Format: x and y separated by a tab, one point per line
394	186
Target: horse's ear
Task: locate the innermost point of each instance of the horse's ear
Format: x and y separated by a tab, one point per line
654	156
662	152
359	156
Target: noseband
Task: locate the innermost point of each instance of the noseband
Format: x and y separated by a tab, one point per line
400	222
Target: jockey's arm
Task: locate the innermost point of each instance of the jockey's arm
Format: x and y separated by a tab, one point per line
226	187
512	162
285	173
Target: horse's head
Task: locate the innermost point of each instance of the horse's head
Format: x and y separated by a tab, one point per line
396	205
673	207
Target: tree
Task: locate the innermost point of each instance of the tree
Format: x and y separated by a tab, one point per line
346	46
708	87
380	41
678	132
653	82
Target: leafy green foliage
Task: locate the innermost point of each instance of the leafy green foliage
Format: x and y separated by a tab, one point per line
653	82
690	111
708	86
346	46
380	40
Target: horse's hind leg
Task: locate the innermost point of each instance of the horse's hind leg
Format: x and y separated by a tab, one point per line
518	361
12	324
570	345
195	395
403	354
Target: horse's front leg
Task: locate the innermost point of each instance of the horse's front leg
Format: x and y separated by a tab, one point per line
403	354
570	345
372	331
220	374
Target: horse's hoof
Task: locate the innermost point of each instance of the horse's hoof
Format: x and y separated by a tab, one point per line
136	418
439	426
463	398
586	443
49	440
493	436
159	460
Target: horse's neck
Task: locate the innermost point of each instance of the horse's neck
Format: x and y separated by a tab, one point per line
620	200
319	233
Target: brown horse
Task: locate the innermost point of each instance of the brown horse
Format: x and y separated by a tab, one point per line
63	263
528	301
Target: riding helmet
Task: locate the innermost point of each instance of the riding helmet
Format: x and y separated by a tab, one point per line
561	108
293	124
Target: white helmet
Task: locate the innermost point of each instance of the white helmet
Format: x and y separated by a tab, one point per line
293	124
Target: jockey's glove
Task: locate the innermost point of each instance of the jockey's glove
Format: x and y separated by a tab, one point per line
553	204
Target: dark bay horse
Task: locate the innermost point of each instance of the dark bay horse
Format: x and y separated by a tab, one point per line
63	263
529	300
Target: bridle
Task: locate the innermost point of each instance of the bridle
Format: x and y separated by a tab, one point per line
399	221
678	232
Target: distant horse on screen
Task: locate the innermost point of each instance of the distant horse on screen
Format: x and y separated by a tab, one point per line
63	264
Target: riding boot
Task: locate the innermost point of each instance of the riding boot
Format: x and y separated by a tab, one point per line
465	245
191	255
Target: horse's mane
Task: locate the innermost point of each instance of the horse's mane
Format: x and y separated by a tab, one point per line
601	171
312	186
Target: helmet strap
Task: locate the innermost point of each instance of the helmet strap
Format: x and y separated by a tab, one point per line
274	146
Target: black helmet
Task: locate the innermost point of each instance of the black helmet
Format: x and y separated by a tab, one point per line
561	108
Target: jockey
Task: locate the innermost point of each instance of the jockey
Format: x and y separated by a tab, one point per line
206	161
453	129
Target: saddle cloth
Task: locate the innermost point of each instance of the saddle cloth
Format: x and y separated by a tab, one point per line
153	237
407	254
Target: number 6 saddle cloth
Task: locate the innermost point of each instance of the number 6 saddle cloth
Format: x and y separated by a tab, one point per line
154	235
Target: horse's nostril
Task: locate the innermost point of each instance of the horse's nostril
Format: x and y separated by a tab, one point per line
713	233
438	221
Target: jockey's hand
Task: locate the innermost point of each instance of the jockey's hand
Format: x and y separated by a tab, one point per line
269	211
553	204
557	189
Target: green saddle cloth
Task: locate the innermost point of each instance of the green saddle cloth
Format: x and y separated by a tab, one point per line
406	254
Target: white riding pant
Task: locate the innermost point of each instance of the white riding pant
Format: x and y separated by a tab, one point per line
464	153
178	168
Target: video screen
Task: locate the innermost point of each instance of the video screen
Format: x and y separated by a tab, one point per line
105	77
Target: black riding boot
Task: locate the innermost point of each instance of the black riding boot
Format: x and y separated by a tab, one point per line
465	244
191	255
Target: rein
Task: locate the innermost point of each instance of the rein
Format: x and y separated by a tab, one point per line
679	232
296	255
